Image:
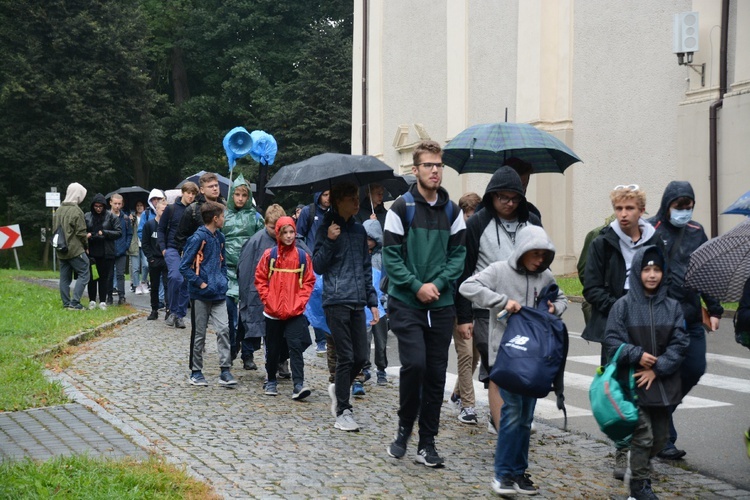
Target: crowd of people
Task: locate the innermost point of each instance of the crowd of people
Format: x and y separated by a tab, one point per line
429	270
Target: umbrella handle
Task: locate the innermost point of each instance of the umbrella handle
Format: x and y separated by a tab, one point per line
369	195
471	149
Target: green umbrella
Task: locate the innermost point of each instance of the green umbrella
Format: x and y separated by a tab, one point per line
484	148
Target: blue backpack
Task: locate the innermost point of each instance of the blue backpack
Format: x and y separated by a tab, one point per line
532	353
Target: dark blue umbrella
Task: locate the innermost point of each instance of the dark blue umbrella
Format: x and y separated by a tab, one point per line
484	148
741	206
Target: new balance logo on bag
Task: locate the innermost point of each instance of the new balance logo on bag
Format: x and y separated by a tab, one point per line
518	342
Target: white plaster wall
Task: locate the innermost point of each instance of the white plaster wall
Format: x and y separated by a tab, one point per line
493	30
414	71
626	87
734	155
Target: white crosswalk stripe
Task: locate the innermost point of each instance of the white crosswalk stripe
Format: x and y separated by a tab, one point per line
547	409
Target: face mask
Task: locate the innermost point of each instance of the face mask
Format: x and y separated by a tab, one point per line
680	218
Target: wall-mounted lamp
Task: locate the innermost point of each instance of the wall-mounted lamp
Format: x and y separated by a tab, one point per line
685	42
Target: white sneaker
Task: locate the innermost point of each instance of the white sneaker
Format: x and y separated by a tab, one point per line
139	290
102	306
346	422
92	305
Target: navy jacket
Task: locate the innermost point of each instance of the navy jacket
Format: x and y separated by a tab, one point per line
344	263
692	237
213	268
169	223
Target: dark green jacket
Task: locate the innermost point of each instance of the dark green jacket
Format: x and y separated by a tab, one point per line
431	250
70	217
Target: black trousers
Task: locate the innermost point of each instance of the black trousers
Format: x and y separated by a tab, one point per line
157	270
105	267
424	338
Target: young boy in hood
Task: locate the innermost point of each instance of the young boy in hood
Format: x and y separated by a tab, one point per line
103	230
509	285
70	217
651	326
204	268
378	331
682	236
157	266
284	279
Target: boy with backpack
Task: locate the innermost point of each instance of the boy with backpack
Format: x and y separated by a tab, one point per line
652	327
204	267
507	286
284	279
157	266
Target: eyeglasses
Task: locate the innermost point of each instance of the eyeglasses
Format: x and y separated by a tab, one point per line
505	199
629	187
430	166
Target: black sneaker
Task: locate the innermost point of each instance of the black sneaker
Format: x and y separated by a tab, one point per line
504	486
524	485
249	364
154	315
121	301
284	370
397	449
179	323
640	489
428	456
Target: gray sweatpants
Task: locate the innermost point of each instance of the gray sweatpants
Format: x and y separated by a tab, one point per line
200	313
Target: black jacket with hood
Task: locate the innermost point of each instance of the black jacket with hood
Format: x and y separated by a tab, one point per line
652	324
102	246
191	220
679	244
308	223
504	179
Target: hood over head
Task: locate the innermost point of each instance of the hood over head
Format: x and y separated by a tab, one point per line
240	181
99	198
636	285
75	193
674	190
506	179
154	194
532	238
374	231
284	221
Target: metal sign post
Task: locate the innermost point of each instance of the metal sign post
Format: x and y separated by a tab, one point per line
53	200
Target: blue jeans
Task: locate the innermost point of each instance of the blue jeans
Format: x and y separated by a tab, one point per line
512	450
692	369
79	265
138	268
177	289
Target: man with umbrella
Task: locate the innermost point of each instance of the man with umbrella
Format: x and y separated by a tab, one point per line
682	236
342	256
423	255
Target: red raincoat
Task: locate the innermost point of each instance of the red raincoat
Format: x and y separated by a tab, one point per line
286	292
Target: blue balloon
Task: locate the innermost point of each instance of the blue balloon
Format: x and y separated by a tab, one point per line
237	143
264	147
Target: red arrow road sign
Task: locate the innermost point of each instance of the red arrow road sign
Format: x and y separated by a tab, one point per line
10	237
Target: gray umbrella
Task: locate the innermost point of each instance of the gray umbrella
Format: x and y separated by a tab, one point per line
721	266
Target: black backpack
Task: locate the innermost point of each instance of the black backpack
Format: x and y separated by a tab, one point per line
58	240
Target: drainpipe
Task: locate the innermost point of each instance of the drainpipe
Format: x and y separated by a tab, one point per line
713	172
365	50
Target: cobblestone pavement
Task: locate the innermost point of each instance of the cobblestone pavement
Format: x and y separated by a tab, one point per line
247	444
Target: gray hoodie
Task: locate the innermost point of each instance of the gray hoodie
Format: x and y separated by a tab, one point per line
499	282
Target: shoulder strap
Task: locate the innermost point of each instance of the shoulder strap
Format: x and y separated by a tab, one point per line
411	209
310	217
275	255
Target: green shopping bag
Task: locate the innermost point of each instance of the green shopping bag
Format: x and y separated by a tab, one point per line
94	272
613	406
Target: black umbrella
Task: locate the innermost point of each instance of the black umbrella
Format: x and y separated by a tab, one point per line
393	187
721	266
321	172
130	196
224	182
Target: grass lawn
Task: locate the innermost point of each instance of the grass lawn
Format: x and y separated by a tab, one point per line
85	477
31	320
